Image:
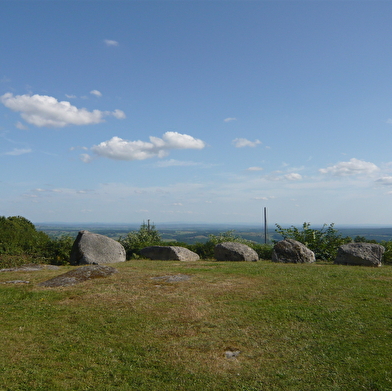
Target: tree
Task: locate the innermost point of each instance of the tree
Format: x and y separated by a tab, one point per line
323	242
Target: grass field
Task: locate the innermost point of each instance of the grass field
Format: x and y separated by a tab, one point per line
297	327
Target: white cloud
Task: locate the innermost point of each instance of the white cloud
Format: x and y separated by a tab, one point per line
20	126
119	114
293	176
96	93
254	169
352	167
119	149
178	163
70	96
385	180
243	142
17	151
230	119
110	42
43	110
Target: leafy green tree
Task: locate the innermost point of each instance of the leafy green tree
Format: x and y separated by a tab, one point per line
18	236
58	250
323	242
137	240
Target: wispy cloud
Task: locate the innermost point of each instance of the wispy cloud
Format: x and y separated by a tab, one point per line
20	126
18	151
46	111
352	167
119	149
254	169
230	119
243	142
176	163
110	42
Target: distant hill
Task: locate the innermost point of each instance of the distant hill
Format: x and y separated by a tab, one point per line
192	233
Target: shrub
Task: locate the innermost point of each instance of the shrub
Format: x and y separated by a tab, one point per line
137	240
206	250
323	242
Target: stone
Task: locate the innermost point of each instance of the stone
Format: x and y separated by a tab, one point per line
365	254
169	253
233	251
175	278
79	275
95	249
292	251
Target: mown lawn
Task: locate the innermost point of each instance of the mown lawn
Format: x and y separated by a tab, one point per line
297	327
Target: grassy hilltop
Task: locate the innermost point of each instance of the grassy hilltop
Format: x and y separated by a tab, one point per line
297	327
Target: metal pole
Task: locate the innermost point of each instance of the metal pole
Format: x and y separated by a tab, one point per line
265	225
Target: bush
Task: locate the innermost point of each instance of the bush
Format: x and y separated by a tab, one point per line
206	250
323	242
18	236
137	240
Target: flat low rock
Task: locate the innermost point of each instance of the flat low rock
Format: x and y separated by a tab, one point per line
364	254
236	252
169	253
95	249
79	275
292	251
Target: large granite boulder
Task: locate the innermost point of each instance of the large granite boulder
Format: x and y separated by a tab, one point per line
233	251
365	254
79	275
169	253
95	249
292	251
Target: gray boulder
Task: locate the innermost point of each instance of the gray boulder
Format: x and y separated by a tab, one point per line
169	253
365	254
292	251
79	275
233	251
95	249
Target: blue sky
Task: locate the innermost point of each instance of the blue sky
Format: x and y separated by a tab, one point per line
196	112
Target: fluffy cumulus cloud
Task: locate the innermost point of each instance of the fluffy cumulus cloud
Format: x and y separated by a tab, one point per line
352	167
96	93
243	142
43	110
119	149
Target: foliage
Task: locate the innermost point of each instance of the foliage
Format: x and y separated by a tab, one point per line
323	242
18	236
137	240
59	249
206	250
387	257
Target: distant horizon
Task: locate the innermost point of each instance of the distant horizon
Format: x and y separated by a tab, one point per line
206	224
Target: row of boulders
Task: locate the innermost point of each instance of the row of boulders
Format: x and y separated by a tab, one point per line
95	249
365	254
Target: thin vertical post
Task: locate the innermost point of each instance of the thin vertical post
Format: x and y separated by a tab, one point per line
265	225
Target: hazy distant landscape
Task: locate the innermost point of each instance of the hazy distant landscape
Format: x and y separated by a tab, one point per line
192	233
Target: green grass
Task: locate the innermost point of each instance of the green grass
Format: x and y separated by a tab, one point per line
298	327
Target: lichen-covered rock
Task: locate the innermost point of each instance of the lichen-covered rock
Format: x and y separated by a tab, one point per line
233	251
169	253
79	275
365	254
95	249
292	251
